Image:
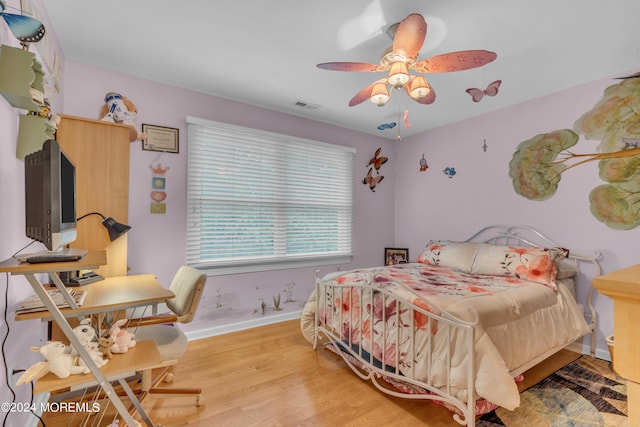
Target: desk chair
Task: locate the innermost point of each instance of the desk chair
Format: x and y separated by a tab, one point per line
187	285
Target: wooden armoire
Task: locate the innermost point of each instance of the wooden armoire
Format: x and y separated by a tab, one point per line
100	153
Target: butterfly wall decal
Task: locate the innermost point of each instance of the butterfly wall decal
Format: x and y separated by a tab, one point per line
377	161
24	28
478	94
372	180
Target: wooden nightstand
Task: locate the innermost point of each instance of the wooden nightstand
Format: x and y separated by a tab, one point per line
623	287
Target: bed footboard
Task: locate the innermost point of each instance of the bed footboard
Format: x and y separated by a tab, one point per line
374	333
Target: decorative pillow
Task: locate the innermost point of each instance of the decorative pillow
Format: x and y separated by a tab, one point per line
456	255
566	270
529	263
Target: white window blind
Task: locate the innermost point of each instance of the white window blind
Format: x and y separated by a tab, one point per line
261	201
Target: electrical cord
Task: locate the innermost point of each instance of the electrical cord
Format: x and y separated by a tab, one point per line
31	401
4	341
23	248
9	375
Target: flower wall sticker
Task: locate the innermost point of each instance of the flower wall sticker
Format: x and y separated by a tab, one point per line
538	163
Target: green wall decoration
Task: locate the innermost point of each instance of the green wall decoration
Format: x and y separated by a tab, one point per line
21	78
538	163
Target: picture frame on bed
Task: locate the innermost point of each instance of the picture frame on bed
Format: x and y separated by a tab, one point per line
393	256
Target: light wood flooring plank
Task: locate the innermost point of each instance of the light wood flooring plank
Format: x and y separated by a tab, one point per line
271	376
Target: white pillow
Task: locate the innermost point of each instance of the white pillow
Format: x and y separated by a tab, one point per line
535	264
444	253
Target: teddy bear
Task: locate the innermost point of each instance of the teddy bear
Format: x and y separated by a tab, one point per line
120	109
123	339
104	345
58	361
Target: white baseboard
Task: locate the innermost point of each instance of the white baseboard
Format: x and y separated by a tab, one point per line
240	326
579	348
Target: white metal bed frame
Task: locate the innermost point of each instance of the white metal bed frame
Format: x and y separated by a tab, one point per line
364	365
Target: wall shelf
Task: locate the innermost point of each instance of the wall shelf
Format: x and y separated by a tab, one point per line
20	73
33	131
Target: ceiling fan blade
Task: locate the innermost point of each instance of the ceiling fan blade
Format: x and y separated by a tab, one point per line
455	61
364	94
352	66
409	36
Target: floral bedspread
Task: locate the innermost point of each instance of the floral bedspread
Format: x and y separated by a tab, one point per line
506	306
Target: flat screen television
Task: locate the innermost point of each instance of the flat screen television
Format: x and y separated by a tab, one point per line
50	196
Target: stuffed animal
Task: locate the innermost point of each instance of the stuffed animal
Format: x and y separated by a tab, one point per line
87	336
123	339
104	345
120	109
94	353
57	360
85	333
60	362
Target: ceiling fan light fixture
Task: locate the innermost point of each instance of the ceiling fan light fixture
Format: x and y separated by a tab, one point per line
379	94
398	74
417	87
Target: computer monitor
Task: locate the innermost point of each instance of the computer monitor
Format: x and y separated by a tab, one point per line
50	196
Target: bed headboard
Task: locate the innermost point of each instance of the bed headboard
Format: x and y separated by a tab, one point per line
522	235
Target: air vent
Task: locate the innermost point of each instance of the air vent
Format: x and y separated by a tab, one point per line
306	105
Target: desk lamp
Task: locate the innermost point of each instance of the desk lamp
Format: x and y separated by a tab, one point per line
114	228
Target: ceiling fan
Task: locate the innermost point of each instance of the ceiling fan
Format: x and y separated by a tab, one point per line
408	37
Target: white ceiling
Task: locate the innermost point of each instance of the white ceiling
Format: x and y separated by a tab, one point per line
265	52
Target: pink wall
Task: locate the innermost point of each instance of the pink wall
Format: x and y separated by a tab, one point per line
431	206
157	242
20	336
408	209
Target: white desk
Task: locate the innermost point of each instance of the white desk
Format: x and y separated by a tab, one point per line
114	293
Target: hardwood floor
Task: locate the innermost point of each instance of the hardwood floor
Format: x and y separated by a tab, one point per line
271	376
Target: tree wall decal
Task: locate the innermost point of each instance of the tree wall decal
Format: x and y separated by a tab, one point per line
538	163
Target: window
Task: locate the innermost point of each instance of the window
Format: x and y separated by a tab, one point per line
262	201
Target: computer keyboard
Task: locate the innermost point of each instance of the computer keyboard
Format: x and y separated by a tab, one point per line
62	256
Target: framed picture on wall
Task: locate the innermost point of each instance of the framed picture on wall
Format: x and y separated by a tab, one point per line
393	256
160	138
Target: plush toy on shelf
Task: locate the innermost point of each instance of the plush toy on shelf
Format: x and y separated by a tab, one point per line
85	333
104	345
57	360
123	339
88	339
120	109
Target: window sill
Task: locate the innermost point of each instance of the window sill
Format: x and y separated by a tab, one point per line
222	270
